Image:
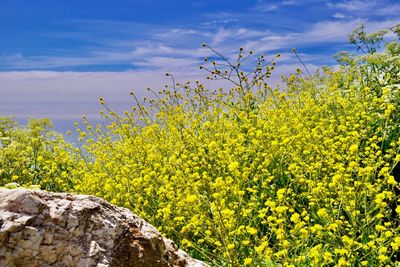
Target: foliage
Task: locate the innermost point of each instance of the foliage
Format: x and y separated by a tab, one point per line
34	156
304	175
253	175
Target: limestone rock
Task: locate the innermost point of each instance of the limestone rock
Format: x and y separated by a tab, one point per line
39	228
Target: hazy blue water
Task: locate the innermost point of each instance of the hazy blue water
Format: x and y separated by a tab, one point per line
62	114
63	125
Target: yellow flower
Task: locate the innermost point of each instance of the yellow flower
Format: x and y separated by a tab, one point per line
322	212
251	230
328	256
353	148
295	218
231	246
383	258
233	166
281	209
246	242
395	244
248	261
391	180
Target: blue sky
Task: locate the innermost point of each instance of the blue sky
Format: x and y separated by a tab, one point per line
58	57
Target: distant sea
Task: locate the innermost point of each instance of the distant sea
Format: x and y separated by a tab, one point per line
62	115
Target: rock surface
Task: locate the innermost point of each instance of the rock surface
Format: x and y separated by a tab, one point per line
39	228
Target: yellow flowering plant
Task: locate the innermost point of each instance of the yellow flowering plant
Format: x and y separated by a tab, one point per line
300	175
304	174
34	156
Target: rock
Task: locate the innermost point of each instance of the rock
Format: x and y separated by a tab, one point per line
39	228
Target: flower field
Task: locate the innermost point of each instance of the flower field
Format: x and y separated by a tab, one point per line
303	174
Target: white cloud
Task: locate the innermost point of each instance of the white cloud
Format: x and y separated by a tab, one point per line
389	10
235	35
369	8
152	50
266	8
290	2
177	52
329	31
218	19
353	5
319	33
181	52
169	64
265	5
262	6
66	95
339	15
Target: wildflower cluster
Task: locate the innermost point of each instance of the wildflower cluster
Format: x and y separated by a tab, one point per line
302	175
34	156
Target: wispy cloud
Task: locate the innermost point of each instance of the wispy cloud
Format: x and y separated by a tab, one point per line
371	8
31	83
353	5
266	6
178	49
339	15
262	6
69	95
